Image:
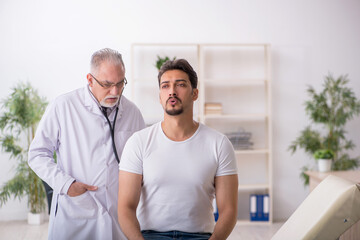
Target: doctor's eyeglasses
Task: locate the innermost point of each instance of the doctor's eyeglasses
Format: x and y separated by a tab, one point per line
108	85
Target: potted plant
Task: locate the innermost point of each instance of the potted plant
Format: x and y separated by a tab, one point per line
324	158
21	112
160	61
329	111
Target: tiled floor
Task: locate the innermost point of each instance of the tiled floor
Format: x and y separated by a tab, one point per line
20	230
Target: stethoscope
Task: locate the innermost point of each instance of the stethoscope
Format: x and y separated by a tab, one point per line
112	128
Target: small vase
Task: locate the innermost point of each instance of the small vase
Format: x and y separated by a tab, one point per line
324	165
35	218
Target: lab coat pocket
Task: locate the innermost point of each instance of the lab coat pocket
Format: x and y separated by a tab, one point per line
80	207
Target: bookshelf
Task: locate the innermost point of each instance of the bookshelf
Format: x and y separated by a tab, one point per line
234	98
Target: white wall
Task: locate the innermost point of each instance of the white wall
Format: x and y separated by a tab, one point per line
49	43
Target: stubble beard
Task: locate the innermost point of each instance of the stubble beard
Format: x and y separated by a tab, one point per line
174	112
171	110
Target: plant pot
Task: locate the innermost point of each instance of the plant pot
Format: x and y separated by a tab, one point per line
35	218
324	165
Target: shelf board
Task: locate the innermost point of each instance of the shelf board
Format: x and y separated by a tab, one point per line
234	45
243	117
248	222
144	44
252	151
243	187
150	82
218	82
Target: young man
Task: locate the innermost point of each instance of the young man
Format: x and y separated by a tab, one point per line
87	128
171	171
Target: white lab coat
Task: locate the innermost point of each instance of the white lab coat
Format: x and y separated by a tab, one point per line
76	129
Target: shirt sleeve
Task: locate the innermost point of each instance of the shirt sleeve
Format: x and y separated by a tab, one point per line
131	158
41	152
227	159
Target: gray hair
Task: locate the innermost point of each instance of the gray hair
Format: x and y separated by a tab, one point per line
103	55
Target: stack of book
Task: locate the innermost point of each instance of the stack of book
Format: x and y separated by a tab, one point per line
259	207
240	140
213	108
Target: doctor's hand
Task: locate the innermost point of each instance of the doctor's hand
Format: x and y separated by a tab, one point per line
78	188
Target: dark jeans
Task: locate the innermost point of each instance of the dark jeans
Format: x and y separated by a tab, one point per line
154	235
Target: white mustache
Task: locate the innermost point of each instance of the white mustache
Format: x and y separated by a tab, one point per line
112	96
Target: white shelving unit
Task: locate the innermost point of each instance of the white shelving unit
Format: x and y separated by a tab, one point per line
238	77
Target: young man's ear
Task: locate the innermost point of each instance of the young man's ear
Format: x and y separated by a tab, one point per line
195	94
90	79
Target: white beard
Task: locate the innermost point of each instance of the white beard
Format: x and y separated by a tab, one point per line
105	104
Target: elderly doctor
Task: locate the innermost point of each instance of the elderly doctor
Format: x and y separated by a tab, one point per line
87	128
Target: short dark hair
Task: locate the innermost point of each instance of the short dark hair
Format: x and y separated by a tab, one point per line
179	64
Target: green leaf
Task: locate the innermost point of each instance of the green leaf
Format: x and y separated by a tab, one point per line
304	176
331	108
8	144
16	186
160	61
323	154
309	140
21	112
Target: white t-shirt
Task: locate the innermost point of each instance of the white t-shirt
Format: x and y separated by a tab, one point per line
178	177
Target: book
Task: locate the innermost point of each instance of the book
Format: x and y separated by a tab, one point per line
266	207
259	207
216	212
213	108
252	207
